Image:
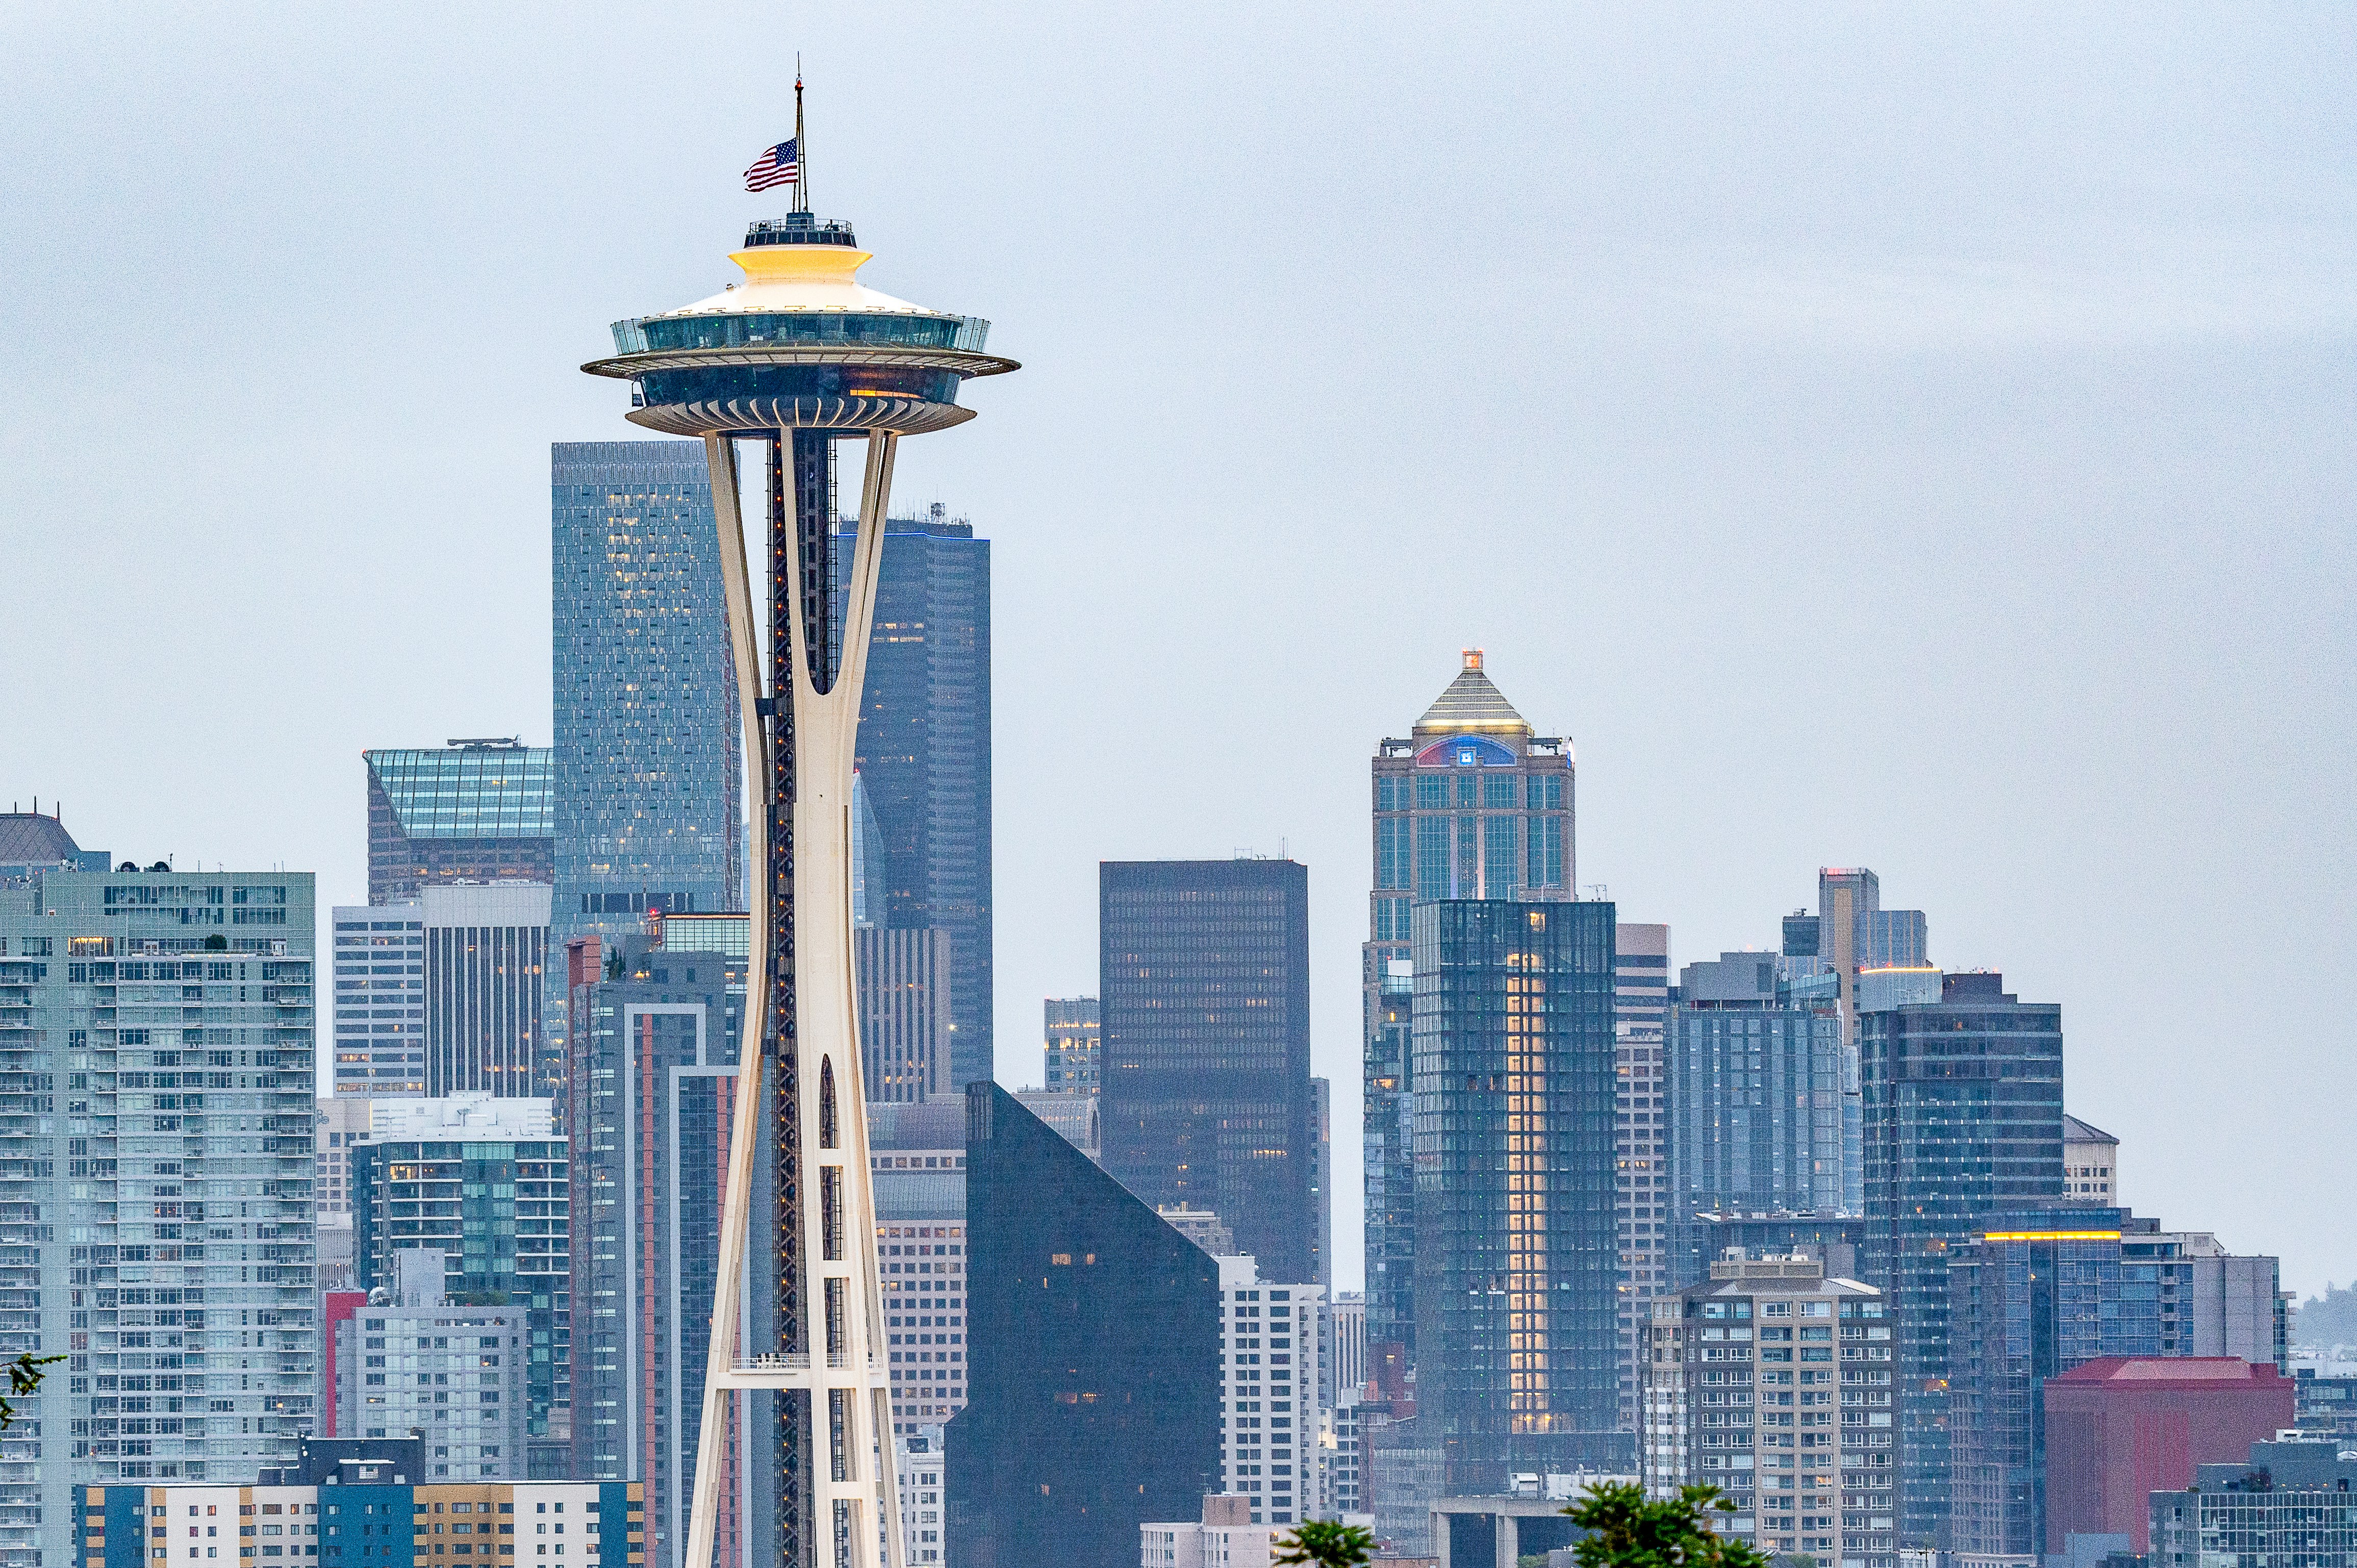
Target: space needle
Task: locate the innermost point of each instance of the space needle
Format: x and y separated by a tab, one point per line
798	357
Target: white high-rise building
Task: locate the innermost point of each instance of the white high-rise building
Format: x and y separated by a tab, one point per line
1270	1422
1641	1132
922	1491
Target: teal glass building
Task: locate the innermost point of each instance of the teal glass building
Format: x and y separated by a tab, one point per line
1516	1260
475	810
648	777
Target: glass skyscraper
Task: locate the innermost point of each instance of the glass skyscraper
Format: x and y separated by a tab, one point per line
648	781
924	753
1094	1356
1517	1326
1759	1122
478	810
1203	970
1962	1088
1470	805
155	1172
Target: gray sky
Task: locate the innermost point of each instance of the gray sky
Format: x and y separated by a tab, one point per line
1918	437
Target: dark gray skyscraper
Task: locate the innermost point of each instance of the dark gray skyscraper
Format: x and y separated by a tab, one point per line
649	768
1964	1117
1517	1325
1094	1351
924	753
1203	967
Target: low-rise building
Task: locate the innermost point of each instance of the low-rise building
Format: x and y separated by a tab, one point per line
376	1521
1773	1382
2289	1506
1227	1537
2091	1159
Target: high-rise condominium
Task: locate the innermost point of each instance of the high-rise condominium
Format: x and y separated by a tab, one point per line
1963	1119
1771	1381
1095	1357
476	811
1268	1382
1203	973
924	753
1472	805
161	1234
1517	1331
648	778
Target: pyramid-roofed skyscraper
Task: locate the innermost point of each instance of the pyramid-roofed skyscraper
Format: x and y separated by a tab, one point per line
1472	805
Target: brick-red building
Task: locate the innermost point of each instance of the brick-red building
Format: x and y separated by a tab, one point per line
2121	1428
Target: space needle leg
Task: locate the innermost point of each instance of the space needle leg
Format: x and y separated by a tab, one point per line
736	1210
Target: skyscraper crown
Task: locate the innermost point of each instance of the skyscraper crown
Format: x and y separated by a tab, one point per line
1471	704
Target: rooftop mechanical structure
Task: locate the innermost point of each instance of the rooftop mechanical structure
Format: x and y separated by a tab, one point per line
797	358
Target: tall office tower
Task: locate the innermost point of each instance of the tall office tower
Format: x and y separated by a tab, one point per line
486	983
1096	1356
917	1152
483	1182
477	811
1641	1163
444	994
1075	1044
924	751
453	1376
2091	1158
378	964
1759	1121
2034	1295
1517	1330
2121	1429
1269	1388
650	1083
1204	976
649	768
160	1229
1470	805
1771	1382
1963	1119
907	1026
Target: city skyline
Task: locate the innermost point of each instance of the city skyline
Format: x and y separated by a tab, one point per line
2030	783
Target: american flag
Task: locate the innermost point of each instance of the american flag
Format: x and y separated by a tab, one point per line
780	164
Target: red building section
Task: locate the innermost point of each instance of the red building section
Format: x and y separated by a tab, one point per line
2121	1428
340	1305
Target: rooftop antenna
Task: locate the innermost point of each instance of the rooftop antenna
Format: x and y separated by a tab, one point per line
801	147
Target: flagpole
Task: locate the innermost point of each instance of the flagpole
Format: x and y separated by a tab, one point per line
801	150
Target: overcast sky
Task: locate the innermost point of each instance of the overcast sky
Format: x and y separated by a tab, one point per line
1910	436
